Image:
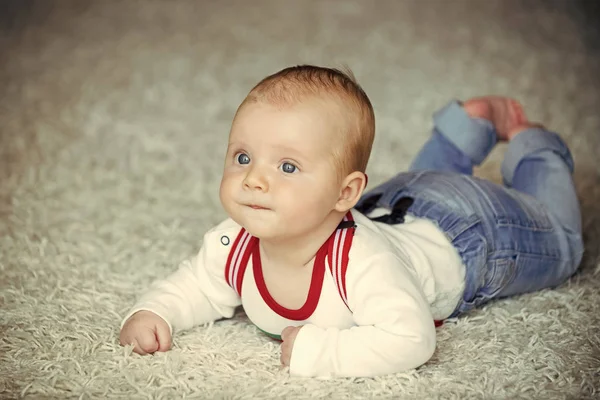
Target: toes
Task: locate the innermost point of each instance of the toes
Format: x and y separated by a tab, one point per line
478	107
518	111
503	112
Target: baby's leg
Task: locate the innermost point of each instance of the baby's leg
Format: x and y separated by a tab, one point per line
533	229
539	163
463	135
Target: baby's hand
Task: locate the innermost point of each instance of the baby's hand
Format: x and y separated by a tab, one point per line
147	332
288	335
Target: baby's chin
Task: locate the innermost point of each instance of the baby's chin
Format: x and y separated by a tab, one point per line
260	229
256	227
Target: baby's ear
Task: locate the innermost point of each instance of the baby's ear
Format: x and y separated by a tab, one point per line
351	189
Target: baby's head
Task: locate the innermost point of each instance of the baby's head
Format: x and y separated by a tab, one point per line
300	141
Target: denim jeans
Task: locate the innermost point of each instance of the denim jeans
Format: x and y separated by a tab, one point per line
513	239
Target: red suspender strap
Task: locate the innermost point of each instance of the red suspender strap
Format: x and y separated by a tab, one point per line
337	256
238	260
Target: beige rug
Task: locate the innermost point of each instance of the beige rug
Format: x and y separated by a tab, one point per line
113	121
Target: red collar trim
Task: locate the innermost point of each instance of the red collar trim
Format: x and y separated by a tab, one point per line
316	285
335	250
314	292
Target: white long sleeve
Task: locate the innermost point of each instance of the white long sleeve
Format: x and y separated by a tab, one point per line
197	292
397	280
394	333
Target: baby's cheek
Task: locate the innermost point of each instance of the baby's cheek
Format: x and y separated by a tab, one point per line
316	200
309	210
225	192
222	191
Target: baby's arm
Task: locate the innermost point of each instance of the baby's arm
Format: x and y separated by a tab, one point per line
394	333
194	294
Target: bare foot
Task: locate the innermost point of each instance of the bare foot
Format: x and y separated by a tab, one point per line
503	112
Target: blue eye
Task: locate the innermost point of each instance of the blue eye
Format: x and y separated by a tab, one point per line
288	168
243	159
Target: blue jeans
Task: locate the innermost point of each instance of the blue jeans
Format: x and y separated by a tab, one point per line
513	239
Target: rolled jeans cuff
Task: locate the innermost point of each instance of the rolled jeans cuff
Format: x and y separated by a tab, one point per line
475	137
529	142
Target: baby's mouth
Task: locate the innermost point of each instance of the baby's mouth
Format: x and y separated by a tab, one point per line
257	207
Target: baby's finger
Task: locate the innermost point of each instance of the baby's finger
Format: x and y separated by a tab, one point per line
285	354
163	336
126	340
137	348
147	341
282	355
285	332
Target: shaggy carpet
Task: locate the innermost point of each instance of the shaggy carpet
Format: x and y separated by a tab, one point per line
113	120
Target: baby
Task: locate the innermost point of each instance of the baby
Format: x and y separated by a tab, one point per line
355	284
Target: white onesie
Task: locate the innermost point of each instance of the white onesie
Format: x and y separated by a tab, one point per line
375	292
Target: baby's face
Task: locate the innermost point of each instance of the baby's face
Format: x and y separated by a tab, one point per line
279	179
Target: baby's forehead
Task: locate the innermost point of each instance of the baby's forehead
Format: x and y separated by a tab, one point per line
322	108
301	124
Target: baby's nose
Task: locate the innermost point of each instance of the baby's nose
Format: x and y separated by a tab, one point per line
256	180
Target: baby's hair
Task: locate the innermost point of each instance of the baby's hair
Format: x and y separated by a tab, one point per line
295	84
